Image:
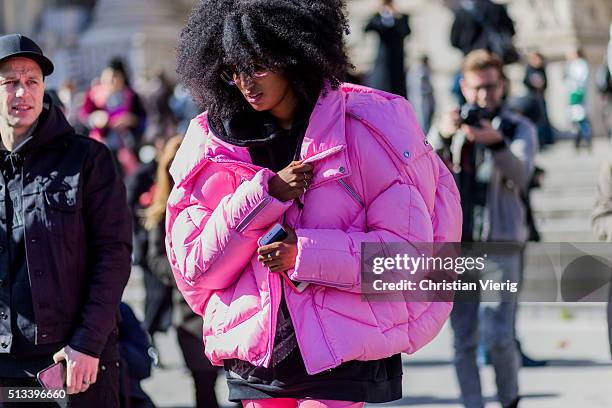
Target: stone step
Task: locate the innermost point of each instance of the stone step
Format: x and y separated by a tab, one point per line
562	204
561	215
566	229
578	236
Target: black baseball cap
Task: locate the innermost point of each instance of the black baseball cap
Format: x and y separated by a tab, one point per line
17	45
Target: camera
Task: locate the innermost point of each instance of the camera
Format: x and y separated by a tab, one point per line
472	114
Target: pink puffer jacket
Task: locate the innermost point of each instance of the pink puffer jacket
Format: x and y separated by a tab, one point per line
357	139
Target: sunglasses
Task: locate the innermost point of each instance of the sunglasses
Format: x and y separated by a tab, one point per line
233	76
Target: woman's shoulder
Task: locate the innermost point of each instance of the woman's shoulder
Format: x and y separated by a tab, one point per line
192	150
390	119
203	155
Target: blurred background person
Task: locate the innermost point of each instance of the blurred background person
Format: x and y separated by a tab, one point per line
140	186
422	93
160	127
189	326
608	102
536	82
392	27
135	360
72	99
609	53
183	108
577	73
603	82
115	115
160	117
483	24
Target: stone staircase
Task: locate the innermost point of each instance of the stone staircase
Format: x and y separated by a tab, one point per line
562	208
563	205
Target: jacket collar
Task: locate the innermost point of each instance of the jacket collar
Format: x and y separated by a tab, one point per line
325	138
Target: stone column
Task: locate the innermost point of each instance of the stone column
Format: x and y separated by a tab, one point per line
143	32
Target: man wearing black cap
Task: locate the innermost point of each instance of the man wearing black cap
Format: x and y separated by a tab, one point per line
65	238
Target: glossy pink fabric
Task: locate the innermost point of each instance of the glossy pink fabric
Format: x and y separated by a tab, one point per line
303	403
398	191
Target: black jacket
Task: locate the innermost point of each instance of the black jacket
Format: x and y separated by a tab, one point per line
467	34
77	234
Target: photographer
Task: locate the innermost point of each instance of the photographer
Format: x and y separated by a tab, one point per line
491	152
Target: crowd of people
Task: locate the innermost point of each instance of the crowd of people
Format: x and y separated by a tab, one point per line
101	179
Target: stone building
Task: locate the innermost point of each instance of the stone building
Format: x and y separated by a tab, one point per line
82	35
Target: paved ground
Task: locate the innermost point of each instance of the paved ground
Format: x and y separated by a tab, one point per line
573	336
579	374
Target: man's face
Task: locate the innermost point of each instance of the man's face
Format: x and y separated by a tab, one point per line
483	88
21	92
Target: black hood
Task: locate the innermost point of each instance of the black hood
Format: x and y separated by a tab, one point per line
251	128
248	129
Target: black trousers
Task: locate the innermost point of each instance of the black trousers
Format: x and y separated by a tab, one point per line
158	304
104	393
203	372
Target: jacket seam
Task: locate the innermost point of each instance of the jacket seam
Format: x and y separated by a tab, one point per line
252	214
323	332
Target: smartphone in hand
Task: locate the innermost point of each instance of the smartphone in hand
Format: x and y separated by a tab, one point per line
53	377
276	234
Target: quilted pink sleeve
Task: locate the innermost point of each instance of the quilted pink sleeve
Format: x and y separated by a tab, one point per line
212	231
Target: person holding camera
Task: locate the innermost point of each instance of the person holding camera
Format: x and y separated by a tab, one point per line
286	149
491	152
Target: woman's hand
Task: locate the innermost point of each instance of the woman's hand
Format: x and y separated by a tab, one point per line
291	182
279	256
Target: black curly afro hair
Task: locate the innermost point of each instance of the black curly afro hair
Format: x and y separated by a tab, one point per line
301	39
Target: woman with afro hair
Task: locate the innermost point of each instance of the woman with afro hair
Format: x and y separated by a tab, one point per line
284	141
